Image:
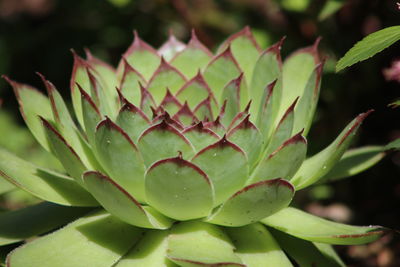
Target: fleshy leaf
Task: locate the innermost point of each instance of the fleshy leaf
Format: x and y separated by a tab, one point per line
150	251
216	126
179	189
130	83
203	111
64	152
185	115
166	76
170	103
35	220
120	158
142	57
95	240
132	120
91	115
355	161
307	253
221	70
146	101
268	111
193	58
321	163
253	203
32	104
116	200
195	244
226	166
247	137
6	186
284	162
42	183
163	141
312	228
256	247
200	136
171	47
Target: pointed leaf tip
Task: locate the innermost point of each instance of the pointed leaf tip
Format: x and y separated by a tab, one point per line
360	118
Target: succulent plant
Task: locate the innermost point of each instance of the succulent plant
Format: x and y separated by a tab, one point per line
181	158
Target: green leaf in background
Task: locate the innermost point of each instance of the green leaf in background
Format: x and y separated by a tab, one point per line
393	145
369	46
295	5
330	8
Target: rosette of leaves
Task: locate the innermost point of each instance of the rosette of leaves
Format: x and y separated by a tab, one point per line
180	157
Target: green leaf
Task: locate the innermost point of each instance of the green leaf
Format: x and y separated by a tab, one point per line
165	77
369	46
132	120
199	244
295	5
130	83
226	165
179	189
248	138
116	200
284	162
5	186
253	203
185	116
170	103
146	101
256	247
222	69
150	251
91	115
42	183
32	104
307	253
330	8
163	141
393	145
35	220
203	111
245	49
355	161
95	240
193	58
200	136
142	57
312	228
268	111
64	152
171	47
120	158
321	163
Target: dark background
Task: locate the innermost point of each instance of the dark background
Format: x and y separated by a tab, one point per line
36	35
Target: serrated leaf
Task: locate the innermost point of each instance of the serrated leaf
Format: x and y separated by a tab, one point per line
42	183
95	240
116	200
226	165
307	253
35	220
222	69
171	47
198	244
130	83
321	163
179	189
120	158
132	120
312	228
284	162
254	202
256	247
200	136
369	46
193	58
163	141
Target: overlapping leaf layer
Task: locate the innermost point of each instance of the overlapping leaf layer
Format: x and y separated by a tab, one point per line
193	159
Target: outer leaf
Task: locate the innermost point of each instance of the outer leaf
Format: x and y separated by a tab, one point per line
395	144
163	141
5	186
42	183
165	77
195	243
120	158
32	104
253	203
120	203
171	47
355	161
130	83
193	58
150	251
307	253
312	228
284	162
226	166
320	164
222	69
369	46
200	136
179	189
96	240
35	220
132	120
256	247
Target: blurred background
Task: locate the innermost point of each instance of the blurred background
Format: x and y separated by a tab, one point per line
37	35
